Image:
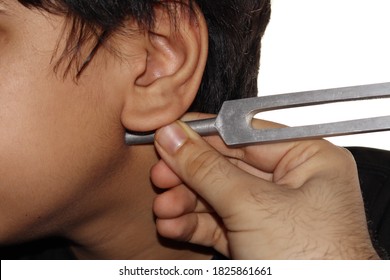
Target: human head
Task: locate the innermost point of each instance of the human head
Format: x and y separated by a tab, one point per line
235	31
76	75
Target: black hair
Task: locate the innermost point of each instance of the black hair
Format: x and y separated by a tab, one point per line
235	31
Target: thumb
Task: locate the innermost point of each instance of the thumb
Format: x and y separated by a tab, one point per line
201	167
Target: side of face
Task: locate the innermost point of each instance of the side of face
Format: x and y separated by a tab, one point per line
59	139
57	136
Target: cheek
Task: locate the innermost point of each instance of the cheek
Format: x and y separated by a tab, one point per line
56	139
52	147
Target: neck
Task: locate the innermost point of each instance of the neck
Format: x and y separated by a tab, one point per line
124	227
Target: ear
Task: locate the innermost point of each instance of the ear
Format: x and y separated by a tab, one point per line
176	56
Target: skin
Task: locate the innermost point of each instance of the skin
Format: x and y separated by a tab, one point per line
295	200
66	171
64	167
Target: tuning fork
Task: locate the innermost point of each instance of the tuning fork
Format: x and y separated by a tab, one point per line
234	121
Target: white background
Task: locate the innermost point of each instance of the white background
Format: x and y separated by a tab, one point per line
281	270
315	44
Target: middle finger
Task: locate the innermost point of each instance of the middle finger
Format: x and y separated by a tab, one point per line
179	201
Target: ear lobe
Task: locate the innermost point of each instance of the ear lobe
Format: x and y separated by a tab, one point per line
173	70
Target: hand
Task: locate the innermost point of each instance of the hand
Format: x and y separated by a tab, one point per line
296	200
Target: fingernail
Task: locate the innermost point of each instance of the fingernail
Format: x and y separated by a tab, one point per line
171	137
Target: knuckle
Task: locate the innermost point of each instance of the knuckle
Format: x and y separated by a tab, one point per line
348	157
344	159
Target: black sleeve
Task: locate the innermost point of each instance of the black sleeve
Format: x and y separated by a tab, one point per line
374	175
45	249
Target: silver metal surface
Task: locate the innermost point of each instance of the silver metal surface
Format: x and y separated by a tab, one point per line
233	122
203	127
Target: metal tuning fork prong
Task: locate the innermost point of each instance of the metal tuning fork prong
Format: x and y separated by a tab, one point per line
233	122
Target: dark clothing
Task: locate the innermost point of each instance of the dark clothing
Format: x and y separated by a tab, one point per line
45	249
374	175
